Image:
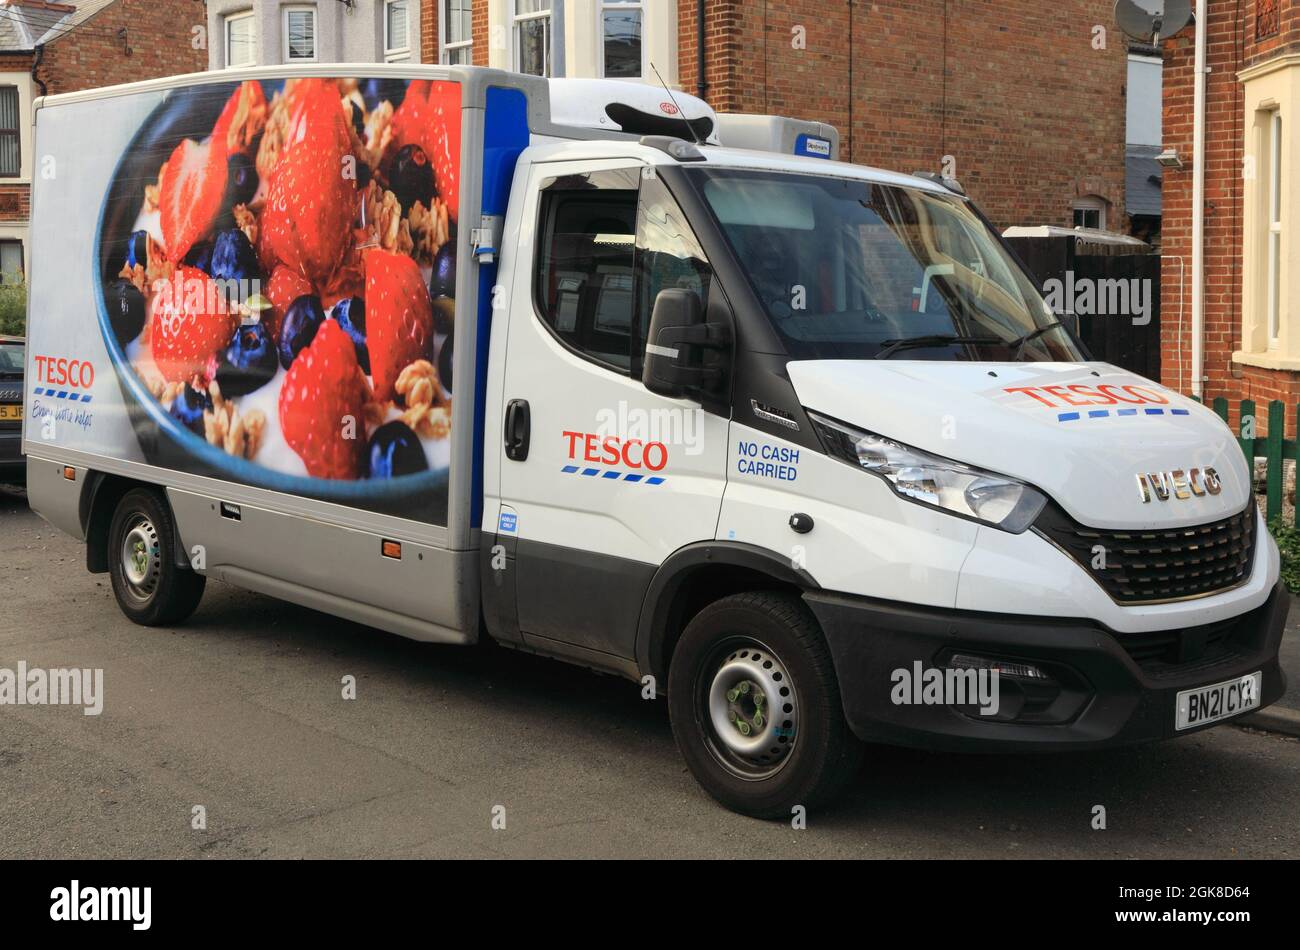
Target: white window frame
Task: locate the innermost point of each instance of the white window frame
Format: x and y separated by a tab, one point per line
445	48
601	7
517	18
225	34
1273	230
284	33
1091	204
396	54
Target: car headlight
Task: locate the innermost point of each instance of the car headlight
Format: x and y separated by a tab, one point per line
932	480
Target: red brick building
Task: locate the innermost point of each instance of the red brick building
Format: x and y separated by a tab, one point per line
1026	101
1252	288
48	47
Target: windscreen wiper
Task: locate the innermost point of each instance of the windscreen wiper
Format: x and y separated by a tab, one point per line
1028	338
889	347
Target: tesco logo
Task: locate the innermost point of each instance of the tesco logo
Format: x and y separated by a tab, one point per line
57	371
1104	395
609	450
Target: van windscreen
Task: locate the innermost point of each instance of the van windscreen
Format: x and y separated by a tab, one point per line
853	269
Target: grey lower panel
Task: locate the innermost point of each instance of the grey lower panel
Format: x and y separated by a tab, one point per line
428	593
575	597
55	498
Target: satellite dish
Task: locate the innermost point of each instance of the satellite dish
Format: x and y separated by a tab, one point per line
1152	20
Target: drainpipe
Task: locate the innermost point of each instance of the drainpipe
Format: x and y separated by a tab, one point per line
701	87
1198	201
36	64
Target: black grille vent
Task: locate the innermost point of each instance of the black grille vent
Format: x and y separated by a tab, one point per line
1159	564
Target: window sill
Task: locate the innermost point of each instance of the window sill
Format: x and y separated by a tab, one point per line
1268	360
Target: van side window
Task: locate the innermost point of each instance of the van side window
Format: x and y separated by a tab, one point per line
667	256
584	282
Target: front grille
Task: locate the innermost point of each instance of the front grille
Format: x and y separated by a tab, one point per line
1159	564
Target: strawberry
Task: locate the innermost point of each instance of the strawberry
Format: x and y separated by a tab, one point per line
399	318
190	188
442	142
189	323
311	205
322	402
243	116
430	118
284	287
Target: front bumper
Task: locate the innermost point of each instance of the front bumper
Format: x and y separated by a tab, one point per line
12	463
1113	688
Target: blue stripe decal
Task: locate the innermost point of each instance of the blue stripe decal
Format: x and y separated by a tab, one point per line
1126	412
1115	413
505	135
1180	412
1155	412
1067	417
1098	413
613	475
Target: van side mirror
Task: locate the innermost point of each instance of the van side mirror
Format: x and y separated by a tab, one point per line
676	344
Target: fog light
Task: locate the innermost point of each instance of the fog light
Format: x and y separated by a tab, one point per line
965	661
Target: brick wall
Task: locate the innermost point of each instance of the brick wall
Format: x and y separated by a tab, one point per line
159	34
479	31
429	31
1031	113
1232	45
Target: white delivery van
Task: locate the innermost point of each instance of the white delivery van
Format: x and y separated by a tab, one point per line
462	354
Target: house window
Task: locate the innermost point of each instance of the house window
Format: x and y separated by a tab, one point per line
11	159
532	30
299	34
1273	223
457	24
397	34
1090	213
620	39
241	39
11	262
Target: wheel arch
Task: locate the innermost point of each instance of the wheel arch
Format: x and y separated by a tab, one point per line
98	502
694	577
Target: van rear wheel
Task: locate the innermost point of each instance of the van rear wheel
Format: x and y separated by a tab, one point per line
150	588
755	706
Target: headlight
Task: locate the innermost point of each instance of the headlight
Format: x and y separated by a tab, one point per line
933	480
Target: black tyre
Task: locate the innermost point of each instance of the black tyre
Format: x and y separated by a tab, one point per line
150	588
755	706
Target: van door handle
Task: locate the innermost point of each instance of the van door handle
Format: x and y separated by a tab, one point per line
518	426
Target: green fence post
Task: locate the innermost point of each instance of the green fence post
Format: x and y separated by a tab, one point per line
1247	411
1276	430
1221	407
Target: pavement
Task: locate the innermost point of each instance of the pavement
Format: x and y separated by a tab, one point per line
240	713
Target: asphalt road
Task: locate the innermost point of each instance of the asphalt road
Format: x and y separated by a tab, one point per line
240	712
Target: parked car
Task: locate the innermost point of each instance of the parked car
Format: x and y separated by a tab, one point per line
12	466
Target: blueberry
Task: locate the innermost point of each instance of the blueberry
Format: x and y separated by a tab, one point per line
200	256
444	363
301	321
350	312
241	179
443	281
137	249
444	315
233	259
248	363
187	408
125	310
411	178
375	91
395	450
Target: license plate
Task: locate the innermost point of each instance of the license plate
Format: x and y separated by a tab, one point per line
1205	704
11	412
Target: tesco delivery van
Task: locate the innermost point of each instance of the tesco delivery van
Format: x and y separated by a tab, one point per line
462	354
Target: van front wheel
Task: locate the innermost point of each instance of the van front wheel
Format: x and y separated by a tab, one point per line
150	588
755	706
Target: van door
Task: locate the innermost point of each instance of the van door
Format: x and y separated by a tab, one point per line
600	479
